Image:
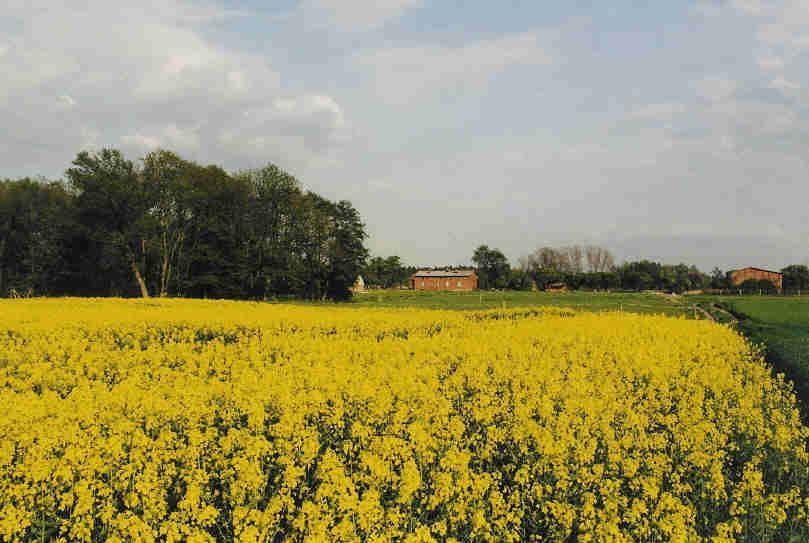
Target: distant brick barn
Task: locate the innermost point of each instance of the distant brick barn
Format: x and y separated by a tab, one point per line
737	277
444	280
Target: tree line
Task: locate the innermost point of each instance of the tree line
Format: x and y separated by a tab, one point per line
587	267
167	226
594	268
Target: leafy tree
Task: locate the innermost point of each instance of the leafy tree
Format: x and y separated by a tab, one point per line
347	252
719	279
167	181
36	221
520	279
600	281
385	272
215	261
796	277
492	267
756	286
169	226
112	207
274	218
544	277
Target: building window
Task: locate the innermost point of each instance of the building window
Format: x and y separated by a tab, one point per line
422	283
459	283
447	283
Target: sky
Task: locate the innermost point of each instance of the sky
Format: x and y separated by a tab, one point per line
674	131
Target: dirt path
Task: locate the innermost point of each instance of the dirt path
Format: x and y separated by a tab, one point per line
704	313
724	312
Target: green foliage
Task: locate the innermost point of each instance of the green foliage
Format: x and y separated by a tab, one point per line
520	280
36	221
492	267
347	253
781	325
648	275
757	286
385	272
170	227
796	278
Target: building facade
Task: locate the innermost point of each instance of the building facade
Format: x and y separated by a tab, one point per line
737	277
444	280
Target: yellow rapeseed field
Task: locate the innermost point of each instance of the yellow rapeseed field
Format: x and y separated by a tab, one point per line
172	420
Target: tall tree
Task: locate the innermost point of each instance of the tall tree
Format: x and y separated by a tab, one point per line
492	267
719	279
385	272
166	181
215	261
36	219
599	260
273	217
347	252
169	226
796	277
112	208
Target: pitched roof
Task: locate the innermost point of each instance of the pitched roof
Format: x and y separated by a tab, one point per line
444	273
758	269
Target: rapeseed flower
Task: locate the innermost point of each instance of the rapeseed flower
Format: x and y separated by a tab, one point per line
178	420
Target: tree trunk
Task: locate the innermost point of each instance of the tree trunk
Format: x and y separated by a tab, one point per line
164	275
144	292
170	247
164	264
3	292
164	279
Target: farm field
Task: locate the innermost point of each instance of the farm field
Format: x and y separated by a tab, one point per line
180	420
590	301
781	325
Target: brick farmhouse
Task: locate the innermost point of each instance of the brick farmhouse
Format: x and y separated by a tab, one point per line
737	277
444	280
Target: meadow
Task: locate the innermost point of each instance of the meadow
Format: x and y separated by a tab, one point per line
590	301
181	420
781	325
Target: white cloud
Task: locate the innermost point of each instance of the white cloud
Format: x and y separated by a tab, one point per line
749	7
715	88
143	76
147	143
301	129
356	15
706	9
785	34
66	101
786	87
525	134
780	23
664	111
169	137
771	63
401	74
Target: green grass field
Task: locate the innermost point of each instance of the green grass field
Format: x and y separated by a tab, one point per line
781	325
588	301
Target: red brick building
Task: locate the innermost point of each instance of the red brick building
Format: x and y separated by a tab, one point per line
737	277
444	280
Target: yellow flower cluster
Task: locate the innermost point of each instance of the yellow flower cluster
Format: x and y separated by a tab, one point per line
196	421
